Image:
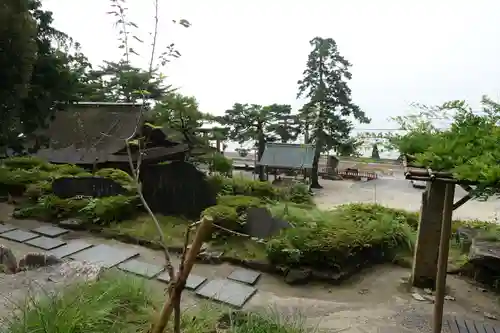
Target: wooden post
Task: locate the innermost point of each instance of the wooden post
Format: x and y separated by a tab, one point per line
442	265
429	230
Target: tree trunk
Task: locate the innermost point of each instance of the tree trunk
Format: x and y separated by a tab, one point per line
261	147
306	134
315	166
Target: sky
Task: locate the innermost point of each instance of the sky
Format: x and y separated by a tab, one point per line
255	51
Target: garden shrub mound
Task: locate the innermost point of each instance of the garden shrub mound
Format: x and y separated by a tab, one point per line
19	173
263	190
237	195
224	216
33	177
341	240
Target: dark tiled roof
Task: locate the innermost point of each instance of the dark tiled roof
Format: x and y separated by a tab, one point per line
88	133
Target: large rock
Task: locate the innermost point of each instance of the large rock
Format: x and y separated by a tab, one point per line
8	260
77	270
486	254
36	260
72	222
298	276
261	224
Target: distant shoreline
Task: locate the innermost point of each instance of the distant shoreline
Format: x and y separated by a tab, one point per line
250	158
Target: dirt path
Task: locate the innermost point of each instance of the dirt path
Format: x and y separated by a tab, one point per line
378	301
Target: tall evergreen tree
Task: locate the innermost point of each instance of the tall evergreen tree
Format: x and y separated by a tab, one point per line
40	69
330	103
17	57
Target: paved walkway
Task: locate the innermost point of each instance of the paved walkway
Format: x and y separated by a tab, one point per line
373	302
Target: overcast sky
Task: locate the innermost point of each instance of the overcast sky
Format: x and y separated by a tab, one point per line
255	51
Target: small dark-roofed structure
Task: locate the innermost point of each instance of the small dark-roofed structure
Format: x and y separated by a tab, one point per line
90	133
288	156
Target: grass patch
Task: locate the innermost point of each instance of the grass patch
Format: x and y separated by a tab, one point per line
143	227
240	248
174	229
215	319
119	303
114	304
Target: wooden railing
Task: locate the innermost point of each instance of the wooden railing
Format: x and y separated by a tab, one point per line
355	174
350	174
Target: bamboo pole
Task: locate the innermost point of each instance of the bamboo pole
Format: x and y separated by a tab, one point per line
204	229
444	247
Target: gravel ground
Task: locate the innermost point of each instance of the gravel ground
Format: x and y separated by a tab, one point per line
397	193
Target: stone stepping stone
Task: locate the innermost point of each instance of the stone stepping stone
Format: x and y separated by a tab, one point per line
70	248
227	291
245	276
192	282
50	231
18	235
4	227
105	255
141	268
45	243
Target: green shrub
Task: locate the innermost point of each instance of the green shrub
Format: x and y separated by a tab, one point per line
19	173
34	178
220	185
26	162
224	216
362	212
239	202
299	215
95	210
340	239
51	207
297	193
68	170
263	190
110	209
474	224
119	176
36	190
258	188
23	177
219	163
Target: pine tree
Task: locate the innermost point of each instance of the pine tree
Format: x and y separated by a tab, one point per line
330	103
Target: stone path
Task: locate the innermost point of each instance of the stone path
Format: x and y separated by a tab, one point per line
235	290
